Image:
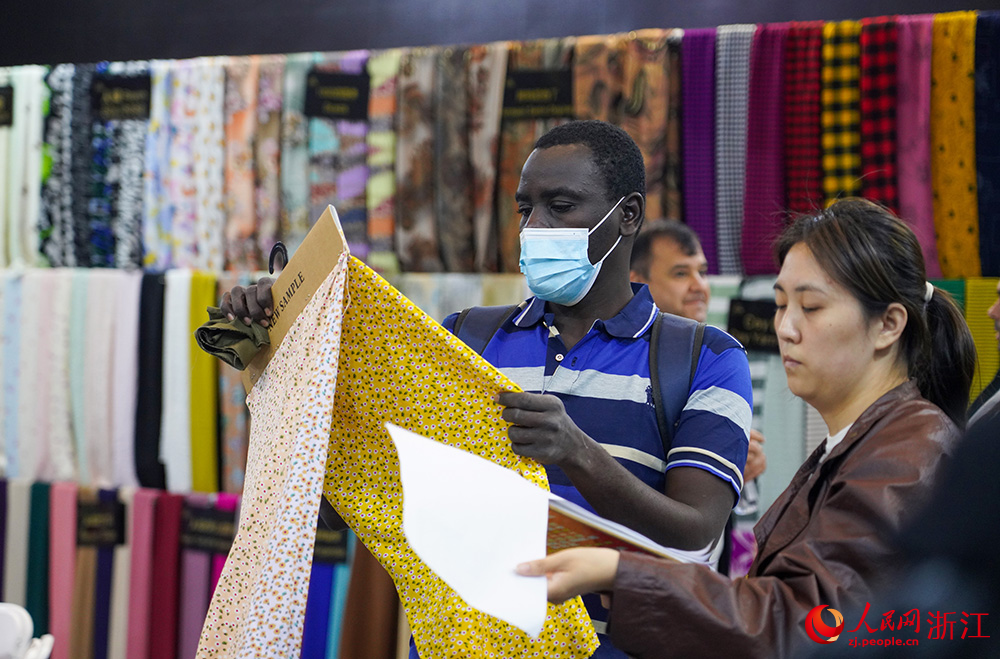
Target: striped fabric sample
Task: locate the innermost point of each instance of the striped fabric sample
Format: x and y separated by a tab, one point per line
879	41
803	156
764	190
383	72
953	143
242	77
487	73
913	121
987	114
732	59
417	239
698	110
840	116
644	108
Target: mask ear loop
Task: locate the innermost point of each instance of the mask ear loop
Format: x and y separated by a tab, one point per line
602	222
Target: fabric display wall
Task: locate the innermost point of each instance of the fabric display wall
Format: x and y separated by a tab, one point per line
133	194
205	163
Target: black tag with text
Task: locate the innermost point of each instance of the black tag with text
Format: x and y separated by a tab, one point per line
331	546
100	524
752	323
120	97
337	95
538	95
207	529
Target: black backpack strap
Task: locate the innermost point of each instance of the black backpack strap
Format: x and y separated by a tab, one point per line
477	325
674	350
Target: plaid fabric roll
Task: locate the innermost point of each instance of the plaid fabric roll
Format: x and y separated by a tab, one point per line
383	71
242	79
841	118
732	85
673	207
644	108
487	73
417	240
698	126
764	197
597	77
803	153
988	139
913	133
879	38
453	206
517	139
953	143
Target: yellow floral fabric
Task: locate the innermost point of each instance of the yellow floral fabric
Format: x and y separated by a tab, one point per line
953	143
399	365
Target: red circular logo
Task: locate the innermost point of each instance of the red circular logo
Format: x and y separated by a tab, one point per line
821	632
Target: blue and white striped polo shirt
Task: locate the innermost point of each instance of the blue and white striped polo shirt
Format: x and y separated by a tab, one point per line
604	384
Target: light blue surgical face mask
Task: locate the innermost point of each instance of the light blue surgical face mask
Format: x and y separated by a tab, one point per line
556	264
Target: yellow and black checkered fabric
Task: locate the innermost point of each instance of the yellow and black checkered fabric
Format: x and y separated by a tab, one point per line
841	109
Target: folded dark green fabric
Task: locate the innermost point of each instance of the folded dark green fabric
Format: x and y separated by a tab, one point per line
232	341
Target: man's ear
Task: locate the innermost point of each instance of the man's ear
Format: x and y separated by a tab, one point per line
636	276
633	212
893	322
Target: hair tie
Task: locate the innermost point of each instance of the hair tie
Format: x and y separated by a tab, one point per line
929	293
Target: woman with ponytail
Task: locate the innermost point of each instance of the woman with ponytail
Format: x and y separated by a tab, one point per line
887	361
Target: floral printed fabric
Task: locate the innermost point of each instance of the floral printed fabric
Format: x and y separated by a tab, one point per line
259	603
397	365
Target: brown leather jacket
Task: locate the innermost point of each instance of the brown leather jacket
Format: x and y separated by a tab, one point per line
826	540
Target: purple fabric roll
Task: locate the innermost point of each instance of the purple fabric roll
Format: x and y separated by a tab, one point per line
698	121
196	575
102	590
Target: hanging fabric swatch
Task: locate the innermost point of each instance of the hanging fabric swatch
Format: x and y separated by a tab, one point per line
764	199
295	218
453	203
175	428
234	421
731	99
125	377
142	536
164	608
61	462
62	564
597	77
15	555
195	577
55	223
953	143
228	505
149	397
210	162
987	113
242	78
83	588
267	152
672	199
980	294
100	315
24	165
442	623
417	240
841	118
383	71
518	135
182	186
77	373
258	605
913	131
32	403
121	582
37	587
878	83
157	212
3	529
338	169
204	383
6	120
80	163
698	111
106	567
645	101
487	72
10	374
803	161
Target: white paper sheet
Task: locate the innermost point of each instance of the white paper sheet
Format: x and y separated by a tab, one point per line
472	521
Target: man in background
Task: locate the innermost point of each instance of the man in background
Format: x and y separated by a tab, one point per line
988	401
668	258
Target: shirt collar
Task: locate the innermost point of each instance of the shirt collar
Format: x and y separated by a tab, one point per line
631	322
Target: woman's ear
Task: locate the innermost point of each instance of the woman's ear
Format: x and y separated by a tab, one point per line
892	323
633	212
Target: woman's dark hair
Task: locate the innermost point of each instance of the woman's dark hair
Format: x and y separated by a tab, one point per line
874	255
